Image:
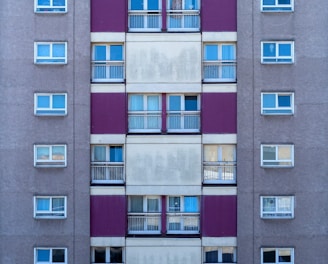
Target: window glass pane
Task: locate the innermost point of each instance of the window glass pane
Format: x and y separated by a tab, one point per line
116	154
191	204
269	204
175	103
58	101
116	255
191	103
190	4
99	153
153	5
269	256
211	52
43	255
116	52
100	53
211	153
269	49
153	103
58	255
269	2
59	2
211	256
42	153
152	205
174	204
285	255
228	52
284	204
58	50
43	101
136	103
284	2
58	204
100	255
43	50
42	204
176	4
285	49
136	204
269	100
284	153
137	4
58	153
227	153
269	153
284	100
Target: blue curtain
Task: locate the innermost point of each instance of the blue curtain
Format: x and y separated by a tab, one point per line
42	204
191	204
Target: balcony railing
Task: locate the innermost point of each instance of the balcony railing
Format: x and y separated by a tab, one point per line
183	223
145	20
145	120
144	223
104	173
107	71
179	121
219	71
221	173
183	20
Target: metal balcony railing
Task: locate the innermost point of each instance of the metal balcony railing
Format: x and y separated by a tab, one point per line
220	172
183	20
219	71
102	172
183	223
107	71
145	120
144	223
145	20
183	120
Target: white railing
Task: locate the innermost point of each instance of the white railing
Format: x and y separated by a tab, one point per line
145	20
102	172
145	120
219	71
141	223
220	173
183	120
183	20
107	71
183	223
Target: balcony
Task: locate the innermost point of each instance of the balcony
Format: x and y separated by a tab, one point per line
107	71
145	20
220	172
145	121
183	121
144	223
182	223
183	20
106	173
219	71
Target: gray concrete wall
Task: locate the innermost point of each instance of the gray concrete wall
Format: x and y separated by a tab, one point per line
307	130
20	78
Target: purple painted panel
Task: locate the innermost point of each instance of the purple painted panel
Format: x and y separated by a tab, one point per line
108	216
108	16
219	216
219	113
219	15
108	113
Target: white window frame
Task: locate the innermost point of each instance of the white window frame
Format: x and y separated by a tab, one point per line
277	254
277	110
50	8
277	7
220	252
287	163
145	202
277	214
47	59
50	162
277	59
49	111
107	252
50	214
50	255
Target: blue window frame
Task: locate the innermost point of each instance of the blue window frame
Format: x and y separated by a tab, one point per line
50	53
50	6
50	104
277	52
277	5
277	103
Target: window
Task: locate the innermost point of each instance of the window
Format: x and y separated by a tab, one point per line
183	214
50	6
50	155
219	164
183	113
50	53
107	255
108	63
277	103
277	155
220	255
145	113
277	255
273	207
219	63
145	15
278	52
183	15
107	164
50	207
50	255
50	104
277	5
144	214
